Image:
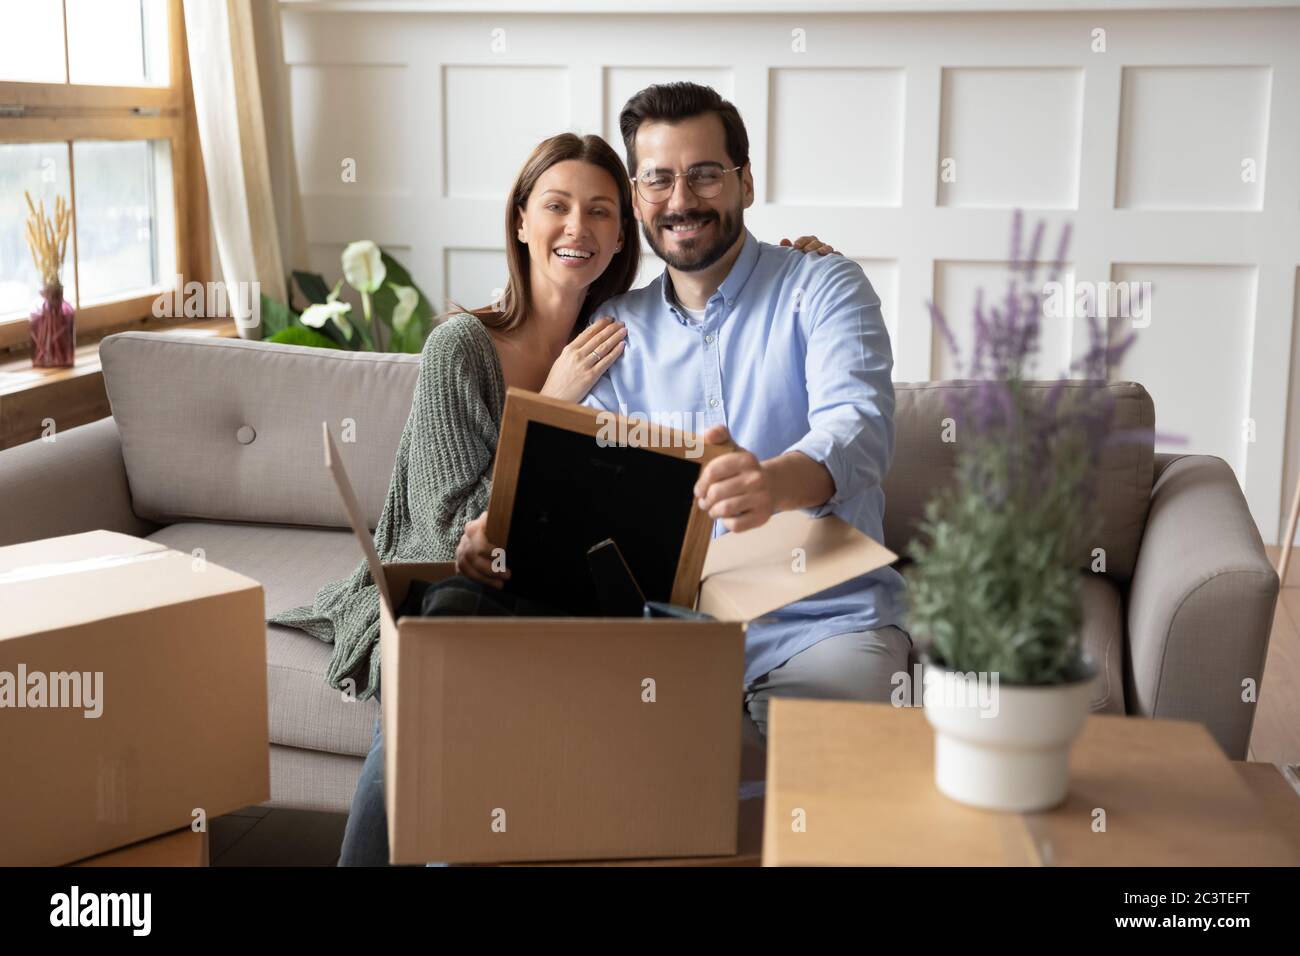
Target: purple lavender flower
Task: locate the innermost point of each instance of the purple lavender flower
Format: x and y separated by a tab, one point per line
997	408
996	586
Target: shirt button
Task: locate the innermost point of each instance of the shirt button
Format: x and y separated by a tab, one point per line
713	403
708	339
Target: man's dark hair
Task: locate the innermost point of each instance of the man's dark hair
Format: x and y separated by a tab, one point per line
671	102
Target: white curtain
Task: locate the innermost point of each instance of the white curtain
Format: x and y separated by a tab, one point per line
241	99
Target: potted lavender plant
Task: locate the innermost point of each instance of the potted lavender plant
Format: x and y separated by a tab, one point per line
995	586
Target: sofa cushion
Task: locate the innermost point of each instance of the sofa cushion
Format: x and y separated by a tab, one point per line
229	430
292	564
1103	639
924	463
311	780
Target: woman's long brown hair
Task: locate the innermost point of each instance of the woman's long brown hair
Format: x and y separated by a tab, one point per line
618	275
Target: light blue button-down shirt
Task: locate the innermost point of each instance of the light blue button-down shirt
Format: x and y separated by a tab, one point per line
792	355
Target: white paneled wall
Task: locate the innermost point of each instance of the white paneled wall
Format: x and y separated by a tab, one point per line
1013	137
1181	126
1169	138
874	138
956	285
1195	357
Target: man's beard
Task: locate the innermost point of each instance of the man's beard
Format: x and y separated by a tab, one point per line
693	256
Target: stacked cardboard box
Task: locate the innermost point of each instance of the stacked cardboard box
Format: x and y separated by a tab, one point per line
132	695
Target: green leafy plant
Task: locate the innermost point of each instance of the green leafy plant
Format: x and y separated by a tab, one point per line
995	584
395	315
298	335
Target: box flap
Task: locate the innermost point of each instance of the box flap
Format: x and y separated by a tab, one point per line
39	597
341	481
751	573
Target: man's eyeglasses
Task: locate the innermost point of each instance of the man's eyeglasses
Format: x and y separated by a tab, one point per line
705	180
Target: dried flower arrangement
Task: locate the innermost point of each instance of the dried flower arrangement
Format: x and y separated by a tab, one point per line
52	322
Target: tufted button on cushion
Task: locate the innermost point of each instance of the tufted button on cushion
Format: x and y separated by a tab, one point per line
245	435
173	393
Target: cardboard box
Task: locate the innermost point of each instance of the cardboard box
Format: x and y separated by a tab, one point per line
132	693
185	848
525	739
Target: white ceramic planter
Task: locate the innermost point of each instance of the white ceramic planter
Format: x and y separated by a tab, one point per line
1007	748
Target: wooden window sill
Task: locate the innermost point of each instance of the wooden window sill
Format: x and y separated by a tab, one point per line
70	396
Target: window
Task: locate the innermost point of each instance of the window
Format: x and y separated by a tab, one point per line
93	108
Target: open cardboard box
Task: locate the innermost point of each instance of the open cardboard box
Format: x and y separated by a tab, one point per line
158	663
585	738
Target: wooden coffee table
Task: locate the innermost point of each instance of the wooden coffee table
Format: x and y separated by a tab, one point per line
861	779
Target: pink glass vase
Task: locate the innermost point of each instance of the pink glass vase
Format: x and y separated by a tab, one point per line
53	330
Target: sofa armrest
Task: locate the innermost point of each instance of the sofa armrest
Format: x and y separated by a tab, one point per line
1200	608
75	483
1162	460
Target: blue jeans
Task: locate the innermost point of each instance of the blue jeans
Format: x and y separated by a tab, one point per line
365	839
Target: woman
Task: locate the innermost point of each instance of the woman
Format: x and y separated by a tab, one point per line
571	244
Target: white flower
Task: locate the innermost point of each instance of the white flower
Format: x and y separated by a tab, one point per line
407	300
363	266
315	316
341	320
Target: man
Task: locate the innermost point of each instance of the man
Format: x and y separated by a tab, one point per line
786	354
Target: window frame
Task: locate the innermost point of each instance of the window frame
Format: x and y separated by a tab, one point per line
67	112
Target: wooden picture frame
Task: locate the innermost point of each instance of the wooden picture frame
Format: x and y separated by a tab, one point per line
524	410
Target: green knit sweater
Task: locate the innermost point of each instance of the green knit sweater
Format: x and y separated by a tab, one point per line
442	479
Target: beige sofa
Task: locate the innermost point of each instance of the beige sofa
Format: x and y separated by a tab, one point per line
215	445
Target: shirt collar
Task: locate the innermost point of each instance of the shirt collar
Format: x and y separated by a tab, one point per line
741	269
731	286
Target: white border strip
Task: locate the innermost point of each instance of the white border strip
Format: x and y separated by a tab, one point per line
758	7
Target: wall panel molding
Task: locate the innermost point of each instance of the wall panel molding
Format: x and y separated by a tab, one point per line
851	109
